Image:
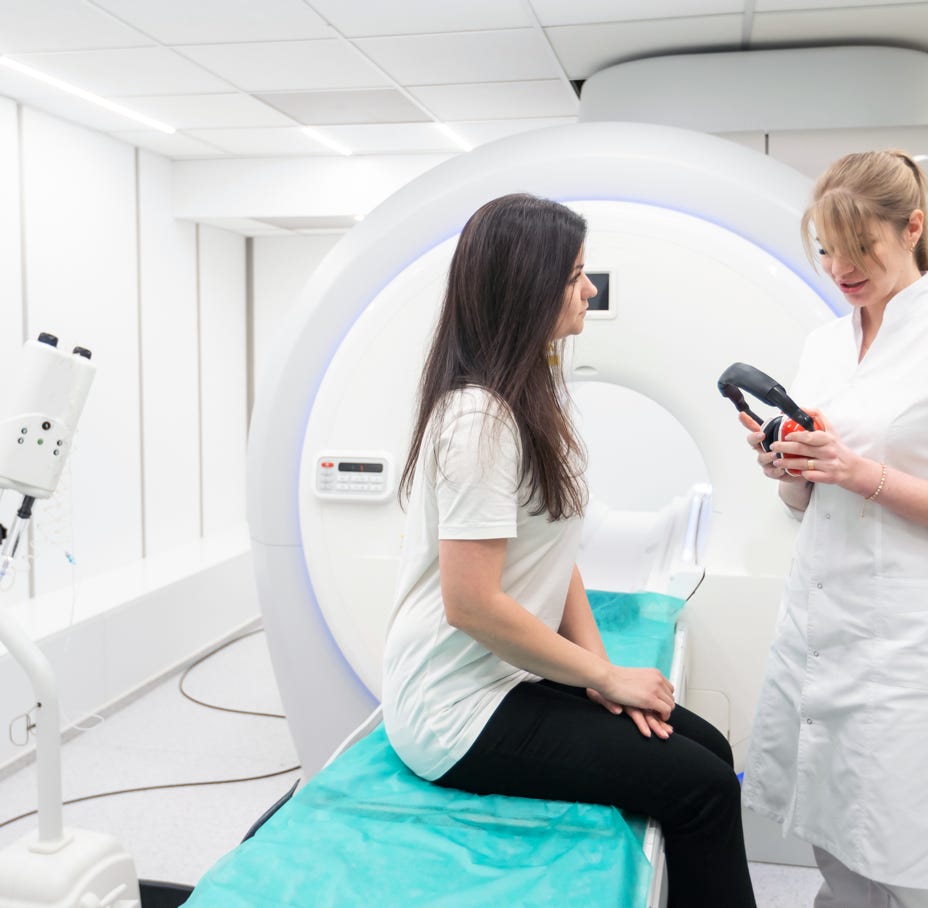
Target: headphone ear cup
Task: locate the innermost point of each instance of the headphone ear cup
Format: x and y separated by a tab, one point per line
771	430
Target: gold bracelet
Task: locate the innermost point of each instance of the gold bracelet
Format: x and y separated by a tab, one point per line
879	488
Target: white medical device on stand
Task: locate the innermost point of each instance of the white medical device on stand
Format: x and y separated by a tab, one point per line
55	867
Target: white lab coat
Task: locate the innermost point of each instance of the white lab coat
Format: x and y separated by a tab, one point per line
839	750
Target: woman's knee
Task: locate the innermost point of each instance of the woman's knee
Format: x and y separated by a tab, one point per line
713	799
702	732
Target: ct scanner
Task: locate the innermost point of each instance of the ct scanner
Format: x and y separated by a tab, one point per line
700	239
698	242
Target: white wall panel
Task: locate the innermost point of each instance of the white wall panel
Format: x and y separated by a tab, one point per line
810	151
11	308
223	380
170	400
282	269
80	255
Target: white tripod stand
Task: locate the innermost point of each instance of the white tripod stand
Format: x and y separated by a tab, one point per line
55	867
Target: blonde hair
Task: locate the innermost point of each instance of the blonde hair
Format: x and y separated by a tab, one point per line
857	190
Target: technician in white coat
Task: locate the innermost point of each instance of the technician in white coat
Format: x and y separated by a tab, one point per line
839	752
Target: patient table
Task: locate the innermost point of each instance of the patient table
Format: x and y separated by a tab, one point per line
367	831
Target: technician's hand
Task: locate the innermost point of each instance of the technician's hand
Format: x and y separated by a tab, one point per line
644	719
827	458
769	462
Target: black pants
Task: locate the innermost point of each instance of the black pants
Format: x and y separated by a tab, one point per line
551	741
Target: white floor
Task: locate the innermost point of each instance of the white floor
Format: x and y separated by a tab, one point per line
160	738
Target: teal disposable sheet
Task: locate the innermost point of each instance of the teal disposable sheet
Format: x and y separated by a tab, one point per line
367	831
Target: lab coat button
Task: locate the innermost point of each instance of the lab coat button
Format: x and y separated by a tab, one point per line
815	653
808	721
818	585
828	516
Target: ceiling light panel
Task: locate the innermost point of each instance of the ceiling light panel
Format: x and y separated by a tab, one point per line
585	49
491	56
220	21
413	17
383	105
288	65
209	111
119	73
41	26
582	12
499	100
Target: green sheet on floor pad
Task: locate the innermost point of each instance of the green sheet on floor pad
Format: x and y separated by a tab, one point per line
366	831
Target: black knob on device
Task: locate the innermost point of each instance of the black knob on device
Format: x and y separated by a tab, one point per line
81	351
46	338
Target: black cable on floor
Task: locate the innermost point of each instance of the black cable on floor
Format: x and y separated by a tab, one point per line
209	655
180	686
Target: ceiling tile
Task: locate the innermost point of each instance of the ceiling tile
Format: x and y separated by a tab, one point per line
382	105
491	56
176	145
34	26
206	111
392	138
499	100
288	140
870	25
288	65
586	49
582	12
479	133
219	21
411	17
135	71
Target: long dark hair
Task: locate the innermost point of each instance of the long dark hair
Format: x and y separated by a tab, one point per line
506	289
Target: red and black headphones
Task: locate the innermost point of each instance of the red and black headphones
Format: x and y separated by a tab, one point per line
790	419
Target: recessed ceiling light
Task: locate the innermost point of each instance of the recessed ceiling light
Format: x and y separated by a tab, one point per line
61	85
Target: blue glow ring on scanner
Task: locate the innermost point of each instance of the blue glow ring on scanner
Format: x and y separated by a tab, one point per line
406	225
722	183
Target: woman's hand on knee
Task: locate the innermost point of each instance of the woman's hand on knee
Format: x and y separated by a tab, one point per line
615	708
645	688
648	722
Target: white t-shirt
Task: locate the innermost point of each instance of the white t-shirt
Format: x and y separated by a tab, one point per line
440	685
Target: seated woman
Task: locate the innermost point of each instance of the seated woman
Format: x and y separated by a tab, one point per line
496	680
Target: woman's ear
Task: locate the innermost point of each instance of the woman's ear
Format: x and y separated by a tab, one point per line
914	228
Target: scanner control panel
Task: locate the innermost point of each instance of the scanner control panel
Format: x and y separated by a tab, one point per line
353	477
